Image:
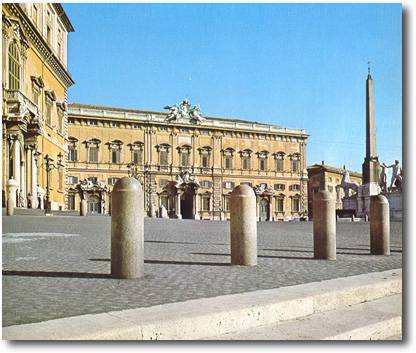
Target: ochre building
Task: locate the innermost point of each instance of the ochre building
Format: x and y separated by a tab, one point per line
187	164
35	82
325	177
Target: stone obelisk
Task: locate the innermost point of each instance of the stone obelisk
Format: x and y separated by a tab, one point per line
371	167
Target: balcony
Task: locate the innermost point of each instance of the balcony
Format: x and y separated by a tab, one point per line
21	109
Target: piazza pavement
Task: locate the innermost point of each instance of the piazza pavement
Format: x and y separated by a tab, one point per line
55	267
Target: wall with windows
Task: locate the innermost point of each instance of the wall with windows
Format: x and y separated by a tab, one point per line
220	159
35	82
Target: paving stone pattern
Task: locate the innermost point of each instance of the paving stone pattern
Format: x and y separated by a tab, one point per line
55	267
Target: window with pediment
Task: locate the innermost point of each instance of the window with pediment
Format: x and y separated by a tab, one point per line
137	152
115	148
280	203
228	155
295	203
262	160
163	150
184	155
72	149
246	159
279	158
93	146
205	155
295	161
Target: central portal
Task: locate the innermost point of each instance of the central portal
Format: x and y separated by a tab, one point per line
187	204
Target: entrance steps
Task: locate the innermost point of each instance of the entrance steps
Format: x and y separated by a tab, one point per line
366	306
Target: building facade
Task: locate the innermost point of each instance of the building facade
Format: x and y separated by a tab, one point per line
187	164
35	83
325	177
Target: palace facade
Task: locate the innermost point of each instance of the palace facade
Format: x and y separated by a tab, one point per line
187	164
35	82
325	177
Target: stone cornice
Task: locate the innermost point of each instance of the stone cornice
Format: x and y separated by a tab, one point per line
131	115
36	39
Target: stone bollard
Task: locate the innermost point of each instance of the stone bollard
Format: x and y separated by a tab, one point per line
83	208
379	225
127	229
243	226
324	226
12	186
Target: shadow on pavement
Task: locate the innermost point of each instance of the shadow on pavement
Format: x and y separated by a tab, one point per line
171	262
56	274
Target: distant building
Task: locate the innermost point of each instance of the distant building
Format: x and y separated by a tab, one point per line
187	164
35	82
325	177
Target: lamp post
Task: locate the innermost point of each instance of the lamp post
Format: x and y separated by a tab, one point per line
49	166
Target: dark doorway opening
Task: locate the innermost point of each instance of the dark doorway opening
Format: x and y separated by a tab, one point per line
264	210
187	205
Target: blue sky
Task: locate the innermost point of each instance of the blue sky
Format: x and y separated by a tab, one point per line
299	66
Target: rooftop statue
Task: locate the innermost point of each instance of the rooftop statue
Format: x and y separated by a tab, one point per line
184	112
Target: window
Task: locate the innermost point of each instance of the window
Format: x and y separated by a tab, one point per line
60	179
296	163
245	135
279	187
228	158
112	180
72	153
163	157
294	187
279	161
205	160
295	204
71	201
60	122
93	122
115	155
163	128
35	14
71	120
262	136
137	156
206	201
48	105
115	124
206	184
184	152
93	179
48	35
204	132
228	161
262	164
228	185
226	203
163	182
14	67
246	163
72	179
136	126
35	95
228	133
280	204
93	154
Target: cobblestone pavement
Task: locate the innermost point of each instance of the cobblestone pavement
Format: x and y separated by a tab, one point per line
56	267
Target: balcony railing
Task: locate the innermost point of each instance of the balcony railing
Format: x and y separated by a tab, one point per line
16	96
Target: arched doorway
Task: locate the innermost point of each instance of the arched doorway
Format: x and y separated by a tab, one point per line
187	204
94	204
263	210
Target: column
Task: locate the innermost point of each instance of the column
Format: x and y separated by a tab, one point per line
16	159
196	206
178	205
34	174
271	210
